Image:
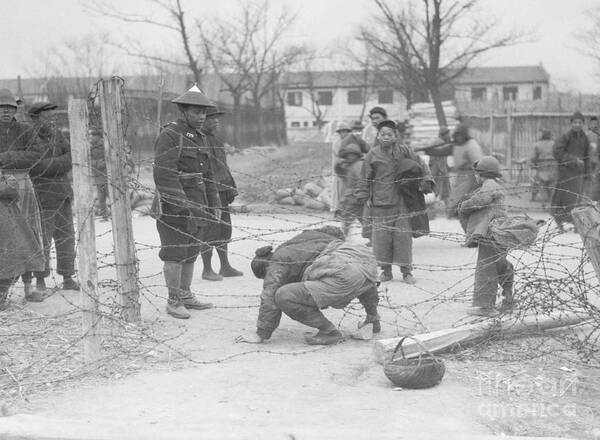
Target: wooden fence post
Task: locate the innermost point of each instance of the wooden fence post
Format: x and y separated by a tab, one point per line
161	88
122	228
509	147
83	198
587	223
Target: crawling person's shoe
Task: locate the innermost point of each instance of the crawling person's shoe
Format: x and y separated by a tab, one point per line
324	338
211	276
177	310
191	302
230	272
408	278
70	284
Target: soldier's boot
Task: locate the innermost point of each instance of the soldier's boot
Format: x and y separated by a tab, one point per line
172	272
40	284
4	288
33	294
187	297
69	283
207	272
226	269
386	274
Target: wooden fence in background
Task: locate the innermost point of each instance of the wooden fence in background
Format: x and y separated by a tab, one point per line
512	136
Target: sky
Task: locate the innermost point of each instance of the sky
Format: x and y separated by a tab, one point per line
32	27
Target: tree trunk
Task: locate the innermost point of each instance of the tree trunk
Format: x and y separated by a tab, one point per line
237	119
260	123
437	103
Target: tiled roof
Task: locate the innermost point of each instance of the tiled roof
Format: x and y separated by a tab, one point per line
504	74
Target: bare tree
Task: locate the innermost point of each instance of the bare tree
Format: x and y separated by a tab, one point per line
226	45
589	37
433	44
71	67
173	19
269	56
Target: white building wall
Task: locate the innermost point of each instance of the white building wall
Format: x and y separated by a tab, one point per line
300	119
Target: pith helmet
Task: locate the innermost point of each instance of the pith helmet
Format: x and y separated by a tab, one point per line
194	96
7	98
488	166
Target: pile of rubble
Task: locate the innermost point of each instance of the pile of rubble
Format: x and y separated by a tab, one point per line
312	195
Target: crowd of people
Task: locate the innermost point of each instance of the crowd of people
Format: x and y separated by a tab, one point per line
381	182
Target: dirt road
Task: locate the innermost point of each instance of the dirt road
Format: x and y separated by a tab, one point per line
282	389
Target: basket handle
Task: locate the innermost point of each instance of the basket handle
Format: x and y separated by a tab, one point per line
419	343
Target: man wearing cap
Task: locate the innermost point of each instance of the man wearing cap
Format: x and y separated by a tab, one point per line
186	200
369	133
572	152
19	151
314	270
52	183
219	234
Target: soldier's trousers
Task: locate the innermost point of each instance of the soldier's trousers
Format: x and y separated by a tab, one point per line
392	237
57	225
180	239
492	269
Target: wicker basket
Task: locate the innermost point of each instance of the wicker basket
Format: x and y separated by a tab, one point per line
424	372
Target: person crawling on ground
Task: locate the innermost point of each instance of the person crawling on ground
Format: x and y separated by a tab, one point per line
314	270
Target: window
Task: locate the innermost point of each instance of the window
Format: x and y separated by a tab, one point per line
537	92
510	93
306	123
355	97
385	96
294	99
295	124
478	94
325	98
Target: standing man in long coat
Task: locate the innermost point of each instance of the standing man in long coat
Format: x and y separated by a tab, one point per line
572	152
19	151
219	233
186	200
52	183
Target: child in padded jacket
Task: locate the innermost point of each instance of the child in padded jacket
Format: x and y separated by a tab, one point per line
484	205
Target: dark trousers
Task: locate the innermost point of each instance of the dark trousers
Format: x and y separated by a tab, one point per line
296	302
57	225
392	237
180	239
219	233
492	270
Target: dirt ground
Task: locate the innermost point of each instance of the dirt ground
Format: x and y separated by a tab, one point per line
284	389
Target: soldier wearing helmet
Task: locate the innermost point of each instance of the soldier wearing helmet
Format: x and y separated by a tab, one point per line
20	228
186	200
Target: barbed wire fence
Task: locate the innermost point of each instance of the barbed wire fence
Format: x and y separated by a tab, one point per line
43	347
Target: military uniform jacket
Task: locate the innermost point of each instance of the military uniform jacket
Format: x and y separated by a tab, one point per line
18	147
218	161
50	175
182	172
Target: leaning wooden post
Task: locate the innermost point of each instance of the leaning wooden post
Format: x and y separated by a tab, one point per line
124	245
587	223
83	198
